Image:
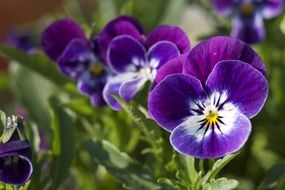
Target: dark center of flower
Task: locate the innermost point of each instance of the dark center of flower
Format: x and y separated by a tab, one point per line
212	118
10	160
247	9
96	69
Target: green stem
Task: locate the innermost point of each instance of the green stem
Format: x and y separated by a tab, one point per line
201	166
192	173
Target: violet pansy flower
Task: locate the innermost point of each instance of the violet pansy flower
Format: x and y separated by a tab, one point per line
207	107
135	61
15	155
24	41
64	42
247	16
122	25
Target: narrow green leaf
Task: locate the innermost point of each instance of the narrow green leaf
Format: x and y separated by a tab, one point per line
146	125
217	167
133	174
3	121
174	184
9	187
221	184
33	91
37	62
9	129
186	173
63	143
274	175
26	186
135	113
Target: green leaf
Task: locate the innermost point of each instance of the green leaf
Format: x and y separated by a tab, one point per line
38	63
274	175
138	116
3	121
145	124
221	184
127	7
174	184
217	167
33	91
63	142
26	186
9	129
186	173
9	187
130	172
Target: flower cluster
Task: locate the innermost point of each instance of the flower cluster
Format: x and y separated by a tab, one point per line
247	16
117	61
204	97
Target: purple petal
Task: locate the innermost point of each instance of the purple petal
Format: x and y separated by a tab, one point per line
171	67
126	54
97	99
169	33
130	88
162	52
13	146
223	7
169	101
122	25
272	8
56	37
90	83
15	165
16	173
76	58
212	142
246	87
95	46
249	29
207	54
113	87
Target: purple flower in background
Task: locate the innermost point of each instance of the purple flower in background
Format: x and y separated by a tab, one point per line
24	41
122	25
15	155
247	16
136	61
64	42
207	107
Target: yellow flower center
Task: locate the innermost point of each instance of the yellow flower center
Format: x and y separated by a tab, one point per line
247	9
212	118
96	69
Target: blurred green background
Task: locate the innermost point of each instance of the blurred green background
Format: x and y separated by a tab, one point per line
52	106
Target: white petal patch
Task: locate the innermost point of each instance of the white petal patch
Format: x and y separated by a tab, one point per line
153	63
223	113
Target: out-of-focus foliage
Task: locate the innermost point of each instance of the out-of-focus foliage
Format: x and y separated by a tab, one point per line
77	146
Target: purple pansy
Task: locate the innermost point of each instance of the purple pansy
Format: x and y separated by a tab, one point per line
207	107
64	41
24	41
136	61
122	25
15	156
247	16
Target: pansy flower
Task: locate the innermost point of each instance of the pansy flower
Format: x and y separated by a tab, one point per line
24	41
247	16
15	154
207	107
64	42
135	61
122	25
